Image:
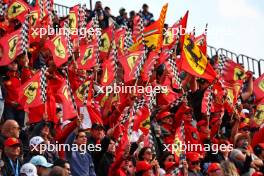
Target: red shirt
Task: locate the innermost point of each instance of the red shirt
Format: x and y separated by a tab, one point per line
12	88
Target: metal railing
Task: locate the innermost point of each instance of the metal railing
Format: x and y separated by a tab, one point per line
249	63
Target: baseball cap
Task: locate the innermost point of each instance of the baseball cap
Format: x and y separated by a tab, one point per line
40	161
11	142
29	170
36	140
213	167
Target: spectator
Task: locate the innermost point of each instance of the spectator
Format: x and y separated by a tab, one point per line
122	19
63	164
146	15
11	157
28	169
215	169
10	128
229	168
57	171
193	159
81	161
43	167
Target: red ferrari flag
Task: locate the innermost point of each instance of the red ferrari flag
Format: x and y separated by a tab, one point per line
153	34
259	114
200	41
17	9
233	71
148	66
195	62
87	58
30	92
130	63
142	120
11	47
74	20
58	48
108	68
120	36
259	88
79	94
106	38
64	97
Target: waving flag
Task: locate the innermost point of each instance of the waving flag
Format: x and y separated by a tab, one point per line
259	88
153	34
120	35
259	114
64	96
30	92
148	66
79	94
108	68
233	71
130	63
200	41
17	10
58	48
195	62
87	58
142	120
11	47
106	38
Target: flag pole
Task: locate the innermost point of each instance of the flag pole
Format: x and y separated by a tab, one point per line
91	4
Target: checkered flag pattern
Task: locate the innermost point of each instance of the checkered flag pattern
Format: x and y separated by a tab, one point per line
142	31
68	37
180	100
98	37
209	100
138	105
125	114
2	11
24	35
83	11
43	84
221	64
128	42
183	153
49	9
140	65
175	71
41	6
65	71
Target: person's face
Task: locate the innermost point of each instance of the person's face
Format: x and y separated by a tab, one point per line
13	151
243	143
187	115
67	168
111	147
148	173
13	66
217	172
194	166
168	120
145	9
245	130
98	5
148	155
98	133
43	171
45	131
170	158
81	139
14	130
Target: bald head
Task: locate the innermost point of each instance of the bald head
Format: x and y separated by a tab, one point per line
10	129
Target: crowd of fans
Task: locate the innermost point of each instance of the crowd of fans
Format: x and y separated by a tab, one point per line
21	142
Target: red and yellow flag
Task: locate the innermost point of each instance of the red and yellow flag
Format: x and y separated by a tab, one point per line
30	92
59	50
195	62
233	72
259	88
153	34
259	114
10	45
87	58
17	9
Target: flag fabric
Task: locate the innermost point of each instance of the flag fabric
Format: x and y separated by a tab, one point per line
200	41
74	20
59	49
79	94
11	45
130	64
108	68
153	34
30	92
87	58
106	38
142	120
259	114
233	71
120	36
259	88
195	62
63	96
148	66
17	10
182	28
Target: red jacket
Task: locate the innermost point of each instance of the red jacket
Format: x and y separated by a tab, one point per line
12	88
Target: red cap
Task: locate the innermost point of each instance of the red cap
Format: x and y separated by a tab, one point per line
243	125
257	174
193	156
169	165
11	141
142	166
163	114
261	145
213	167
201	123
